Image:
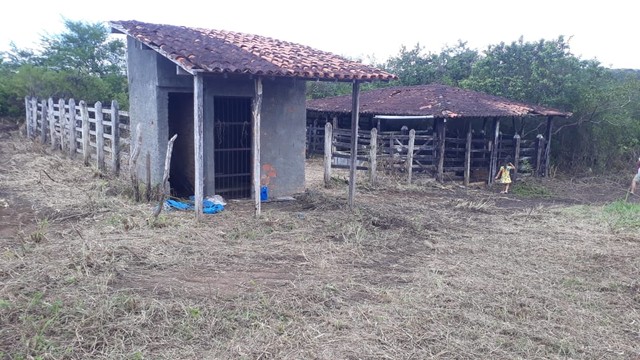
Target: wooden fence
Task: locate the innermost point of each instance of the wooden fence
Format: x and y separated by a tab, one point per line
470	159
97	132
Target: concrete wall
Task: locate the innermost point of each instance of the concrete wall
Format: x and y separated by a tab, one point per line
283	130
152	77
283	136
143	108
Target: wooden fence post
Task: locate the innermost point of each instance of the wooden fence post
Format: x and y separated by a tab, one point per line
328	149
373	156
115	137
52	123
43	122
86	148
539	147
27	116
62	118
409	164
73	136
34	116
441	145
467	154
516	155
99	136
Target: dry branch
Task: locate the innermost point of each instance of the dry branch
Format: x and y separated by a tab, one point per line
133	162
165	177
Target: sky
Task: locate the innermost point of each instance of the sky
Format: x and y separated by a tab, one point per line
606	31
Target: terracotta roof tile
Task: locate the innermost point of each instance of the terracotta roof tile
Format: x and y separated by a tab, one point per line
219	51
441	101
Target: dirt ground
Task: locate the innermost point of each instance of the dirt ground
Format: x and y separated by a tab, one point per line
417	271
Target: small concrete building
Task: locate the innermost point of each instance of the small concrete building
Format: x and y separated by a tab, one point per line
236	101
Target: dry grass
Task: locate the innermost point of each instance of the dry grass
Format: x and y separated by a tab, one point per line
420	271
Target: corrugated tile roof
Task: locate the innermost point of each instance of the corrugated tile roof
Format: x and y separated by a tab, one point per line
441	101
219	51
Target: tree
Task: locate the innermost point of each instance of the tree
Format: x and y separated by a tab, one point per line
452	65
81	62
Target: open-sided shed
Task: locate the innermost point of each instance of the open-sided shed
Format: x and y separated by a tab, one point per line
460	123
236	101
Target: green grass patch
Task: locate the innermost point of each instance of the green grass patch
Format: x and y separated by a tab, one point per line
622	215
531	190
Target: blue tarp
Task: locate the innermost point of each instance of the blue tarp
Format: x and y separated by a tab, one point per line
208	207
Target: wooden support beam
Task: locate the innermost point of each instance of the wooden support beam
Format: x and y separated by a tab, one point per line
467	154
516	155
355	116
86	149
115	137
73	134
442	130
198	142
328	137
409	164
373	156
255	145
547	151
493	165
335	122
539	147
99	136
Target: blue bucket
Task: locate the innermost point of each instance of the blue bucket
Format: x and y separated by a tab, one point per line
264	193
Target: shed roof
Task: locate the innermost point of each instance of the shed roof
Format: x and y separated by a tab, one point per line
441	101
217	51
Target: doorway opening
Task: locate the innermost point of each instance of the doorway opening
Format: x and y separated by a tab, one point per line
232	146
182	173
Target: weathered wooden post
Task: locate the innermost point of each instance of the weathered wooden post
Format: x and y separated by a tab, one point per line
34	116
99	136
52	123
335	122
516	154
255	151
198	141
314	137
115	137
133	162
493	167
86	147
539	147
409	164
148	186
62	118
355	117
43	121
373	157
328	137
165	178
441	148
27	118
73	135
547	152
467	154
